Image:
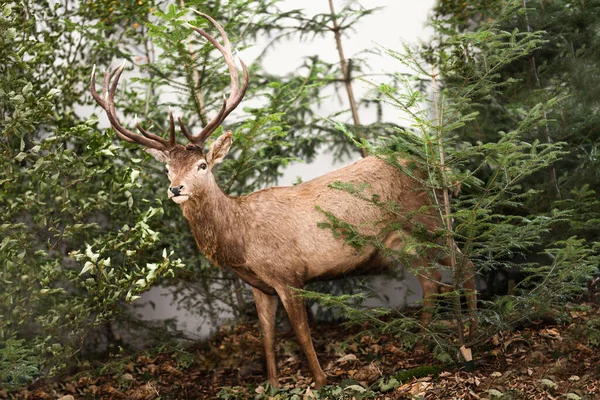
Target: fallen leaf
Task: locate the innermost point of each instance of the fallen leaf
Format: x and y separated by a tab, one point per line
548	383
146	392
308	394
346	358
368	373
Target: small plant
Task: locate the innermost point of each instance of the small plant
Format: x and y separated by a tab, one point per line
18	364
593	331
184	358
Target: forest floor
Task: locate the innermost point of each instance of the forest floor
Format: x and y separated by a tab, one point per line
540	361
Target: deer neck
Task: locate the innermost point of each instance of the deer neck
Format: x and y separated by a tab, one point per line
216	223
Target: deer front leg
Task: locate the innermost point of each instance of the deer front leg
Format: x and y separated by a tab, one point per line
266	307
296	310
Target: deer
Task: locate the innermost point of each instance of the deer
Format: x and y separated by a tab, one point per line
270	238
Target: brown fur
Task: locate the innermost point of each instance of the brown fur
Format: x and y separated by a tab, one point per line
271	240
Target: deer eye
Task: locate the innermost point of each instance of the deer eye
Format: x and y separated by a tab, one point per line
202	165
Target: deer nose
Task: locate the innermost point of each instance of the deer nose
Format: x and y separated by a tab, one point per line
176	190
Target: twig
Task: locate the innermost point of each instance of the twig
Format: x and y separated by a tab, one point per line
539	85
446	217
346	73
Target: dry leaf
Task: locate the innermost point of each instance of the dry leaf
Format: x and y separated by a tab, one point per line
308	394
346	358
419	388
367	373
146	392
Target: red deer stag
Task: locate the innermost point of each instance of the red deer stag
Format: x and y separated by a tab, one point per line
270	237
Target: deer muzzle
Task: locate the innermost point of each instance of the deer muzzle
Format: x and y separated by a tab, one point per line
176	194
176	190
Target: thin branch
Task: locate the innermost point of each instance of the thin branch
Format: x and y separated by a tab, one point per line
346	71
539	85
446	211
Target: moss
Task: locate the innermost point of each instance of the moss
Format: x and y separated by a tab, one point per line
419	372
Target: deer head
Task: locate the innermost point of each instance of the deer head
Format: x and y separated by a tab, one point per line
189	167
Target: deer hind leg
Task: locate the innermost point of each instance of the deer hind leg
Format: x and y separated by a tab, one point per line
467	279
430	278
296	310
266	306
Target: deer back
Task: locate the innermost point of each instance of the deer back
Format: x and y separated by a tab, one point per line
281	224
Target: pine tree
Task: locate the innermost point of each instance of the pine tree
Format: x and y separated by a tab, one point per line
454	86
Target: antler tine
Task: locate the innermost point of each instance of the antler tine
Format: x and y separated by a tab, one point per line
102	100
216	25
150	135
114	120
95	95
189	135
208	129
214	123
227	107
237	99
235	96
172	141
107	102
226	49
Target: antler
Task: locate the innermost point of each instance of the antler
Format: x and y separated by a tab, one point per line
107	102
237	93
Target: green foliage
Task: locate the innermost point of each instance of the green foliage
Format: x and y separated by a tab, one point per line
502	106
84	232
18	362
416	373
79	239
593	331
452	86
562	66
348	388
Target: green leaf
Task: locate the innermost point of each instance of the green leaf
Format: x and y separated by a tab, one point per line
27	88
88	266
7	10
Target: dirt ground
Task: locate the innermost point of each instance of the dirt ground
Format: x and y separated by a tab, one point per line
540	361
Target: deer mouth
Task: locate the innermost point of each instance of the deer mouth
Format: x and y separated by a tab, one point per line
179	199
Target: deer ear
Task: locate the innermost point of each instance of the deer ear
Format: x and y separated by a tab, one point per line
219	149
159	155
